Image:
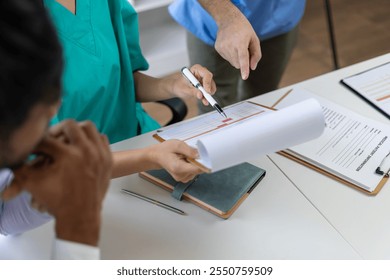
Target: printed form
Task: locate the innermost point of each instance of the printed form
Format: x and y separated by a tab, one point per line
190	131
351	147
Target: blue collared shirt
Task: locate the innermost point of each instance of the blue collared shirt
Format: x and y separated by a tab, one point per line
269	18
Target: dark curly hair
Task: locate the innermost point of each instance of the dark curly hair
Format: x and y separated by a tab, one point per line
30	62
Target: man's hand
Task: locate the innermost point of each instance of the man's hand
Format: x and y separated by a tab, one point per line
71	181
236	40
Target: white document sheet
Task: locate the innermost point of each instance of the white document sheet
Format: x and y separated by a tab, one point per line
250	131
374	86
351	147
190	131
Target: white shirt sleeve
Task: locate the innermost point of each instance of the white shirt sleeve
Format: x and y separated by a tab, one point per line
17	215
68	250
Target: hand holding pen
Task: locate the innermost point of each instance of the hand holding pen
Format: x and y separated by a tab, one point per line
207	96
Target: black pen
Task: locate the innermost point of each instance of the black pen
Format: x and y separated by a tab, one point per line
194	81
155	202
382	165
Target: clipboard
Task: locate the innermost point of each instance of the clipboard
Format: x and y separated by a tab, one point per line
377	189
332	175
345	82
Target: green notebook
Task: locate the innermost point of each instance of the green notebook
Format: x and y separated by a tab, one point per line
221	192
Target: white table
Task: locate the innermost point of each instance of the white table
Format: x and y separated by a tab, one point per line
285	217
275	222
362	220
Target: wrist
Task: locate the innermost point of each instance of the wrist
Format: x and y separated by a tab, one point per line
169	84
84	231
152	157
222	11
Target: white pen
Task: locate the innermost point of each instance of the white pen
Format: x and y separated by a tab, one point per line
194	81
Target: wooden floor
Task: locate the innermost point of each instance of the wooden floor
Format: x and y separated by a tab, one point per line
362	31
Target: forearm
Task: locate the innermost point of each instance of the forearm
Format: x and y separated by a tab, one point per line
220	10
83	228
171	155
133	161
149	89
236	41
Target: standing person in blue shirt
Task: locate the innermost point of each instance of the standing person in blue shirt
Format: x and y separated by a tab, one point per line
225	37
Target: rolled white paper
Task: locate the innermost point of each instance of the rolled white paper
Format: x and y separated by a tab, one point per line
263	134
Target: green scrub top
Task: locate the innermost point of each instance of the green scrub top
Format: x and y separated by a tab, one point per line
101	52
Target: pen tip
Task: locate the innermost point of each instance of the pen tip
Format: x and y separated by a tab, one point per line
219	109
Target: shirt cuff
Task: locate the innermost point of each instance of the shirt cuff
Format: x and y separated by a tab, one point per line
68	250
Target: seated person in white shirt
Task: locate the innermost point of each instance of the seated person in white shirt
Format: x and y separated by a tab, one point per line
70	173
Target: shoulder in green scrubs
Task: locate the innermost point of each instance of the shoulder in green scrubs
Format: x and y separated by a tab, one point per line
101	52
